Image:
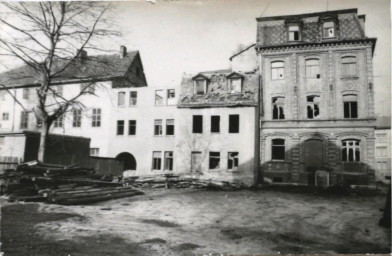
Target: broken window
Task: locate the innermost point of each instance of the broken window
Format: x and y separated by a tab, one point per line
158	127
294	34
351	151
277	70
215	123
96	118
350	106
24	120
349	66
170	127
312	69
197	125
121	99
133	98
234	123
168	161
132	127
58	122
159	97
26	93
313	106
171	97
235	85
94	151
278	108
156	160
232	160
329	29
201	87
77	118
5	116
120	127
278	149
214	160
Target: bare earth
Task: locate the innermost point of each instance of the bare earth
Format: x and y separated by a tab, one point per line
188	222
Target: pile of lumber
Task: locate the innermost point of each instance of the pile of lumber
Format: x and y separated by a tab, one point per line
176	181
40	182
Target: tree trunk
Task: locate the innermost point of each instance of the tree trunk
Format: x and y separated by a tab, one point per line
42	141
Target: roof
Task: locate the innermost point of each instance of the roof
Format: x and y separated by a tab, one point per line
306	15
244	50
99	68
383	122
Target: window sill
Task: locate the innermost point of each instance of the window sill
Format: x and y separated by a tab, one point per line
349	78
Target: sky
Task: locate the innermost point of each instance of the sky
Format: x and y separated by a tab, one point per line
176	37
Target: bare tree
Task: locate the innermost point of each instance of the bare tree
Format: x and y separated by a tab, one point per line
50	37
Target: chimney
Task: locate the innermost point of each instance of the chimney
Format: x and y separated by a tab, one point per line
123	51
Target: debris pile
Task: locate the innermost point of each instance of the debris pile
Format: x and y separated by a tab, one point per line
39	182
176	181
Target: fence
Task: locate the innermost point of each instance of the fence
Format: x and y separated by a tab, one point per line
8	162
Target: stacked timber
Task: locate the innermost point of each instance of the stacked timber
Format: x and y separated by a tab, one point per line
39	182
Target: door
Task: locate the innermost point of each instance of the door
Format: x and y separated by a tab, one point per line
313	156
196	162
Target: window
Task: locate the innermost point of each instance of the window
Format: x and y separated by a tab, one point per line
156	160
96	118
58	122
39	123
24	120
94	151
329	29
158	127
201	87
349	66
77	118
159	97
235	85
312	68
215	123
232	160
234	123
214	160
171	97
197	125
120	127
121	99
168	161
312	105
170	127
132	127
5	116
381	151
381	137
87	88
351	151
26	93
294	34
278	149
277	70
278	108
350	106
133	98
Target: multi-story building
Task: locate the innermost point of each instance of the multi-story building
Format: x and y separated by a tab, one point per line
383	148
318	99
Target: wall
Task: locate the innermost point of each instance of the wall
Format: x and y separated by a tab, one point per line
383	154
223	142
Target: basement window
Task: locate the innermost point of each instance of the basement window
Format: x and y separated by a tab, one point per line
278	149
214	162
234	123
197	125
313	106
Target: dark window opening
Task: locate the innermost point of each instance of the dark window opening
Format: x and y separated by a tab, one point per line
232	160
158	127
277	108
131	127
197	124
350	106
170	127
120	127
156	160
215	123
277	179
313	109
214	160
351	151
278	149
234	123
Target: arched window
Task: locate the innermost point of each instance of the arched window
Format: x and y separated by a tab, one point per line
351	151
278	149
277	70
350	104
312	68
349	66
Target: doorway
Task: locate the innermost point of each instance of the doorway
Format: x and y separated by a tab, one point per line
128	160
313	158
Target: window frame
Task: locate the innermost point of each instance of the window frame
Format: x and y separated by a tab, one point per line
158	123
96	117
280	106
121	97
199	128
324	28
276	148
156	160
5	116
132	100
347	65
168	160
312	104
132	127
94	152
231	85
59	122
234	123
171	100
159	102
217	124
196	85
355	148
120	127
26	93
170	125
24	120
309	73
294	25
77	118
214	156
232	160
352	114
277	72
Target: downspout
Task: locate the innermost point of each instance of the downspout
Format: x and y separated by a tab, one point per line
258	172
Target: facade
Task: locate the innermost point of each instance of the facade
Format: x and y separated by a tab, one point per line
383	148
318	102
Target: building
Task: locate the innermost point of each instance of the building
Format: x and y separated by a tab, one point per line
383	148
317	118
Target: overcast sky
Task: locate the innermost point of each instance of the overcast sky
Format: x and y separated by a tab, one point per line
190	36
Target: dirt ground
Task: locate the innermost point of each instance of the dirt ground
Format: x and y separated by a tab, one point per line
190	222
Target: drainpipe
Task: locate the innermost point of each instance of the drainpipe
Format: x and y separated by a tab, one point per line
258	175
